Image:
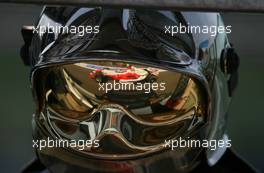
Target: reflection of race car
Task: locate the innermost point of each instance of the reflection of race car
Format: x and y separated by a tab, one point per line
129	74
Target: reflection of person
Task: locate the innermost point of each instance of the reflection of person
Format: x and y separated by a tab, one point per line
130	130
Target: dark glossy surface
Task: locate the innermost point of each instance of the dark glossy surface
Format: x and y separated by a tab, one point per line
133	36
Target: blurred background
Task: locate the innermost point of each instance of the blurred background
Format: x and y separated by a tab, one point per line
245	126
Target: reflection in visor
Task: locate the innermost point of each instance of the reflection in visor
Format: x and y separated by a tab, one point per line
142	105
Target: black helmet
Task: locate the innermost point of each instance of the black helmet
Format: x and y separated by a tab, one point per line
129	84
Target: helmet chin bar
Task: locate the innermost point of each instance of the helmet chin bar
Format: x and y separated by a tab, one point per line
116	130
181	160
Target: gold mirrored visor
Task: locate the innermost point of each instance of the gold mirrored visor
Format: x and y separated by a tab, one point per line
139	105
76	90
